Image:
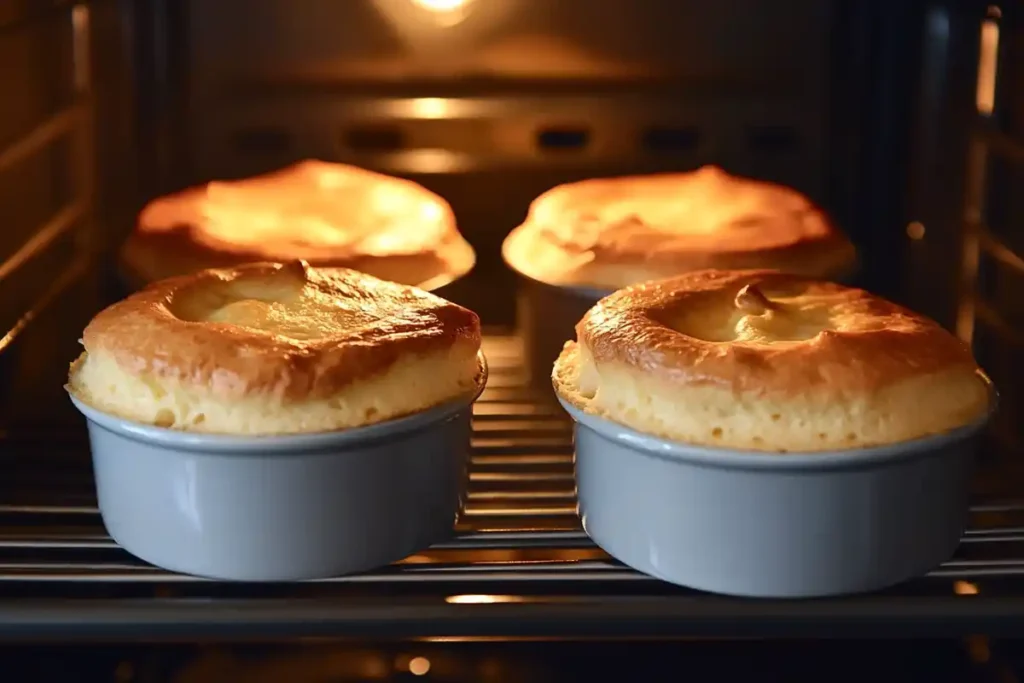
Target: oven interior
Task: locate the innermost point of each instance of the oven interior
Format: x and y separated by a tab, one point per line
904	120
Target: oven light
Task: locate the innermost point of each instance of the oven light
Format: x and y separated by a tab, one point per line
430	108
441	5
444	13
482	599
987	63
427	25
419	666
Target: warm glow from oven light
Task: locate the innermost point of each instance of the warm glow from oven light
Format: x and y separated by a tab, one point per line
987	64
419	666
427	26
482	599
965	588
444	13
430	108
441	5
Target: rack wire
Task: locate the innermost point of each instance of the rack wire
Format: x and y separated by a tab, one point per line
518	566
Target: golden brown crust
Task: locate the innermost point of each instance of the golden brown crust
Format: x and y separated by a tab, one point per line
330	215
613	232
296	332
769	361
860	342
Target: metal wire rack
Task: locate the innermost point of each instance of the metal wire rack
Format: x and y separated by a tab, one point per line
519	566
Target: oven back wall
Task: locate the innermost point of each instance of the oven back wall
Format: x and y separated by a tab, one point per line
500	101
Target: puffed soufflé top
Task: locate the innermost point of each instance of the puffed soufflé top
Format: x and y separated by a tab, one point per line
328	214
276	348
610	233
760	360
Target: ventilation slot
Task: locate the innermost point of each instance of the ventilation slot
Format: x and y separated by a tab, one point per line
676	139
375	139
772	139
563	138
262	140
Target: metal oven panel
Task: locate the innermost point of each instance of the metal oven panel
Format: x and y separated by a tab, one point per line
609	86
743	43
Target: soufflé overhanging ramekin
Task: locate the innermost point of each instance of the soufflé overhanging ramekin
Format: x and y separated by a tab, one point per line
759	434
279	422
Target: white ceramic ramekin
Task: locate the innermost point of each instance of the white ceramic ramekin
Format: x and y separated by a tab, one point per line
773	525
546	316
282	508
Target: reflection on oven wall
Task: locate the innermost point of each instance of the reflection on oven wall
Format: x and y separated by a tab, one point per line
490	102
990	310
577	39
515	83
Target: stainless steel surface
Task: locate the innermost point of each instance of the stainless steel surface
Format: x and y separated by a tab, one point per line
934	191
281	508
768	525
454	135
372	41
329	82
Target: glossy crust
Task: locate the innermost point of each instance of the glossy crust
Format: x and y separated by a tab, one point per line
331	215
271	348
610	233
760	360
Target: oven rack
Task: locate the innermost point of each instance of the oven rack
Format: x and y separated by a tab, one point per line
520	565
